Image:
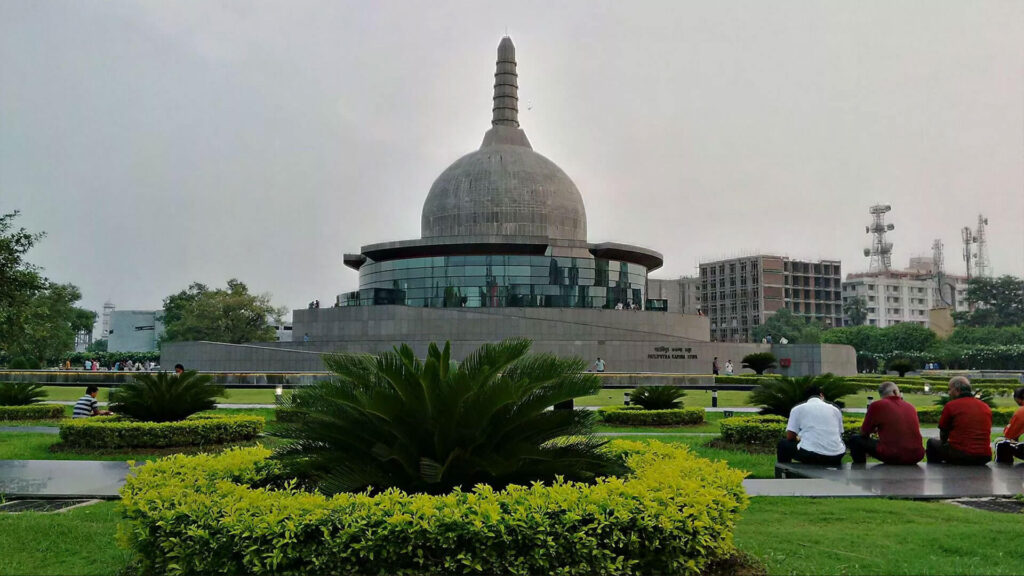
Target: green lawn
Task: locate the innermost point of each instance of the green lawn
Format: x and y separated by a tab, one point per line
879	536
78	541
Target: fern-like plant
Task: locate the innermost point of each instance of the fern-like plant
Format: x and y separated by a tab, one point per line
779	396
431	425
984	395
759	361
658	397
21	393
165	397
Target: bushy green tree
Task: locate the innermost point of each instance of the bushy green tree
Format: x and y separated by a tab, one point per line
785	324
995	302
778	396
862	338
165	397
987	335
97	346
856	310
232	315
431	425
759	361
906	337
658	397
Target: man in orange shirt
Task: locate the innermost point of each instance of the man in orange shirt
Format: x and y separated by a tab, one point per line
1008	448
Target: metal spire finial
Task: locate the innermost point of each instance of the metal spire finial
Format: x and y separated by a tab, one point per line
506	86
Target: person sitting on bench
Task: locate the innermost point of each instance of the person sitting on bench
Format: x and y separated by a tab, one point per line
819	427
899	432
1009	447
965	428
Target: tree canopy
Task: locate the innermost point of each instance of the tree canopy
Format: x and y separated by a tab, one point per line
785	324
856	309
232	315
38	318
994	301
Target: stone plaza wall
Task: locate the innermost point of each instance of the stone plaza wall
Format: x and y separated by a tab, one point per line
634	342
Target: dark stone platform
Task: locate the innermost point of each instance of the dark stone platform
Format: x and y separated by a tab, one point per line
923	481
62	478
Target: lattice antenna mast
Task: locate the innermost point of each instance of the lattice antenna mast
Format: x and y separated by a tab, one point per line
967	235
939	260
982	267
880	251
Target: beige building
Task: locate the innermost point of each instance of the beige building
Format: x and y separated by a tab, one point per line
895	297
739	294
675	295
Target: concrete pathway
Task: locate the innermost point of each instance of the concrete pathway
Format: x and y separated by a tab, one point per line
31	429
62	478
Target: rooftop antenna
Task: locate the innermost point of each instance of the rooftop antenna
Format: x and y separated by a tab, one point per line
982	267
880	251
967	236
939	262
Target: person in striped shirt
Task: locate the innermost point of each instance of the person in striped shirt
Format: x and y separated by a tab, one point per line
88	406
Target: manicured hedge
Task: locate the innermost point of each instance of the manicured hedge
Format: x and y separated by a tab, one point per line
766	431
202	515
199	430
32	412
751	379
637	416
931	414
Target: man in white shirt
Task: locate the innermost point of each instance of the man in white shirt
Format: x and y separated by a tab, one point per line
819	427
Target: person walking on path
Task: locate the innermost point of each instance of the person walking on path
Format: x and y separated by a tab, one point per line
728	368
814	433
714	366
1010	446
599	365
899	432
964	428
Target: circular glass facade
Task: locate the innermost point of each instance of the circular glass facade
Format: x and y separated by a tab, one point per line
500	281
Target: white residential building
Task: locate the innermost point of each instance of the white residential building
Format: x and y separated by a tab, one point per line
905	296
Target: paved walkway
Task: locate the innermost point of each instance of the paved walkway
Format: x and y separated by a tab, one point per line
61	478
31	429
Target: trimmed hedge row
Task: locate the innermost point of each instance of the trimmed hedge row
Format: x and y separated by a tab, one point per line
201	515
198	430
637	416
744	379
931	414
32	412
766	431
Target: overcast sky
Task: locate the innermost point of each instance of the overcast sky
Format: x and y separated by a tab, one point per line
161	143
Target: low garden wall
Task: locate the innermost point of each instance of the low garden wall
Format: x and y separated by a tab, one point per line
106	432
205	514
31	412
638	416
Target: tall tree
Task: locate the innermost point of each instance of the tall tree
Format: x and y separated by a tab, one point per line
856	309
995	302
232	315
785	324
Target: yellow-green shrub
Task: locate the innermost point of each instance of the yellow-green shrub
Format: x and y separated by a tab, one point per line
32	412
202	514
199	430
637	416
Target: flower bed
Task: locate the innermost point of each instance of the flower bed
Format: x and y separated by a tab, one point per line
766	431
637	416
200	430
32	412
202	514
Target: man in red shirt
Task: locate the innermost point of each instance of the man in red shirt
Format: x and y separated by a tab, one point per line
1008	448
965	428
899	432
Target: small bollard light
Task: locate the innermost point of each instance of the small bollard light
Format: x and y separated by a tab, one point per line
927	388
625	398
278	392
714	397
870	398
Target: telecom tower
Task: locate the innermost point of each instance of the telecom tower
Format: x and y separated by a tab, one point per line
108	308
982	267
939	261
880	251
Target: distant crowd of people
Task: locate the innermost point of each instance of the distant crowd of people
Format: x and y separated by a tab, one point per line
814	433
125	366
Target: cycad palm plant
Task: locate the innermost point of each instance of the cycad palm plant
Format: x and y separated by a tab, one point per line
393	420
21	393
984	395
658	397
779	396
163	397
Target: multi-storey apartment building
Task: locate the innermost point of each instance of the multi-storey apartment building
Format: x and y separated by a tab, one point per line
895	297
740	293
676	295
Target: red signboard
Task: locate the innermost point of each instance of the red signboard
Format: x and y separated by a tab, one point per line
784	362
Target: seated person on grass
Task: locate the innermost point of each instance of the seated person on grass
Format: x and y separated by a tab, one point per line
88	406
1010	447
819	426
964	428
899	432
